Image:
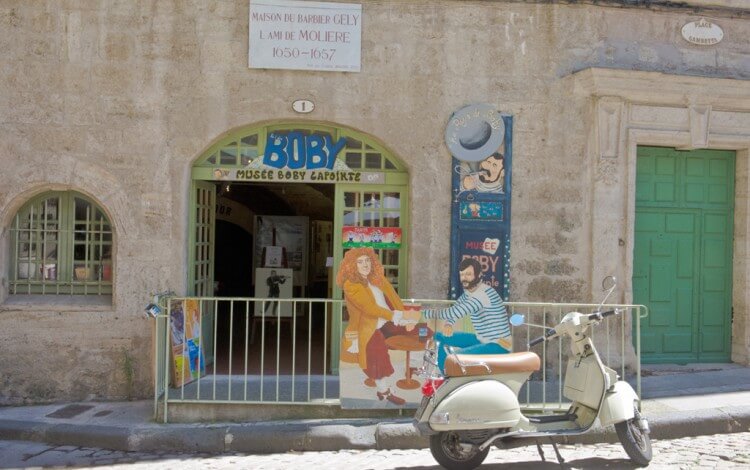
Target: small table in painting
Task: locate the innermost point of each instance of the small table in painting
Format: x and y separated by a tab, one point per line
408	344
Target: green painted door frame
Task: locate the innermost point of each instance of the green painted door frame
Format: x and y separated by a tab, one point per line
201	243
682	261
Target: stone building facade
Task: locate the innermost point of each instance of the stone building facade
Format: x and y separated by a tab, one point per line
116	101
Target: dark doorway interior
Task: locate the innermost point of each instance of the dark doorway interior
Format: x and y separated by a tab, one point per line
300	350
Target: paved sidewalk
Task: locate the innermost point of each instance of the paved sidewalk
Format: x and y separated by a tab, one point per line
679	401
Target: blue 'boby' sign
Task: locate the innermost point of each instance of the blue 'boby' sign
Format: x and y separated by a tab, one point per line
479	138
296	150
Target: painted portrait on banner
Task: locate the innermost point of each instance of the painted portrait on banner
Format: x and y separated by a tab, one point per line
383	342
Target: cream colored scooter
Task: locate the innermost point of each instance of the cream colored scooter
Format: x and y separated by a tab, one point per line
474	404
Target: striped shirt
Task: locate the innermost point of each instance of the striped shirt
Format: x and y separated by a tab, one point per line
487	310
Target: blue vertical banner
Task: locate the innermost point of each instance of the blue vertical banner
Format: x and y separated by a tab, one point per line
480	141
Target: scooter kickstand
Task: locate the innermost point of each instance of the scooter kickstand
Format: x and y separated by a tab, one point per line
560	458
541	452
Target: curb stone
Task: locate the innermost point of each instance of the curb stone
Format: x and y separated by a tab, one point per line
279	437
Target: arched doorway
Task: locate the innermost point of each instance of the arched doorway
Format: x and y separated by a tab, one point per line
292	187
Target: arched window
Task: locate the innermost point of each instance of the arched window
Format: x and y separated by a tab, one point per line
61	243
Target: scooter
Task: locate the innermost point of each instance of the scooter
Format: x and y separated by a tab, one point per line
474	403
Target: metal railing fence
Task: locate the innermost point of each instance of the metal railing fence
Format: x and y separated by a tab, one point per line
285	351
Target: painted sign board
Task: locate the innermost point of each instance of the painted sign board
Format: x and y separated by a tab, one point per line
301	35
479	138
293	156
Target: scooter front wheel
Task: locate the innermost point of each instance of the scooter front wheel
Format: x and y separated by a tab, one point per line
453	454
637	444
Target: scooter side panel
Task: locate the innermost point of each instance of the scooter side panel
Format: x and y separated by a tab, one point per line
482	404
584	381
618	404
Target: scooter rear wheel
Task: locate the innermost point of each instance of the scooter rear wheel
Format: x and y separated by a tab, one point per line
452	454
637	444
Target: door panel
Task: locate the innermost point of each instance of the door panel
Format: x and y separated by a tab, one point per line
381	205
201	257
683	250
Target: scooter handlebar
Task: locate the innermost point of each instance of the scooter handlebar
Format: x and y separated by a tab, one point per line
600	315
535	341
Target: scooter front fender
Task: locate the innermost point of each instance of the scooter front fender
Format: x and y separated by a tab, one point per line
484	404
618	404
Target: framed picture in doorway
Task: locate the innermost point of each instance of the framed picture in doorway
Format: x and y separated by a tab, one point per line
273	283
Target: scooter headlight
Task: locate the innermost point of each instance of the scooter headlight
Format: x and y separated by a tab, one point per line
440	418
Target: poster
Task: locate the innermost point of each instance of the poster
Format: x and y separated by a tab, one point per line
274	283
289	232
373	237
185	338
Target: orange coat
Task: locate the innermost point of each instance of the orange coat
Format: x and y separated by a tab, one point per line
364	313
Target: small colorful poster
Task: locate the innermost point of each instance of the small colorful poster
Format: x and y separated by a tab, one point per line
482	210
187	354
372	237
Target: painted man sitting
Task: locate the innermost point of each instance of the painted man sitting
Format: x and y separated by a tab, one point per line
488	315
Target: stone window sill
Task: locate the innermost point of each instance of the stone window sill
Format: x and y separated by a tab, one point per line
57	303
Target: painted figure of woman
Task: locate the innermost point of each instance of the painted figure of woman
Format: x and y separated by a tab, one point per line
375	313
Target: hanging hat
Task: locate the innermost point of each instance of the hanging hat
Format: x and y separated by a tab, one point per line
475	132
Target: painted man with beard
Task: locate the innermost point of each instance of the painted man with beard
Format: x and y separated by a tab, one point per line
489	178
488	315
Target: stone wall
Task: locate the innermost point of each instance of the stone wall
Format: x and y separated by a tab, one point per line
117	99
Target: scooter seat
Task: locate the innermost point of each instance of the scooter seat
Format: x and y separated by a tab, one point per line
490	364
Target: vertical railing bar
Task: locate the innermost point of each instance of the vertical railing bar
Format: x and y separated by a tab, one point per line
278	346
231	339
528	338
200	350
294	344
559	367
622	343
184	352
166	357
247	345
638	352
309	350
544	363
325	357
216	334
262	347
606	332
156	369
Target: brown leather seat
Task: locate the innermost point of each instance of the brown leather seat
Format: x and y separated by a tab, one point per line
526	361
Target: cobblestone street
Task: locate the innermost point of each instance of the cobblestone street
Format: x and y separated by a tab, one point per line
717	451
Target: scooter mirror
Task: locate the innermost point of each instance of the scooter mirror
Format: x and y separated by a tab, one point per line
517	319
609	282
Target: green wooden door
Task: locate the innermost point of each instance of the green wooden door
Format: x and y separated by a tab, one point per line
201	257
682	263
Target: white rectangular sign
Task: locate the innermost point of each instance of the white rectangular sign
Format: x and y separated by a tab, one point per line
301	35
